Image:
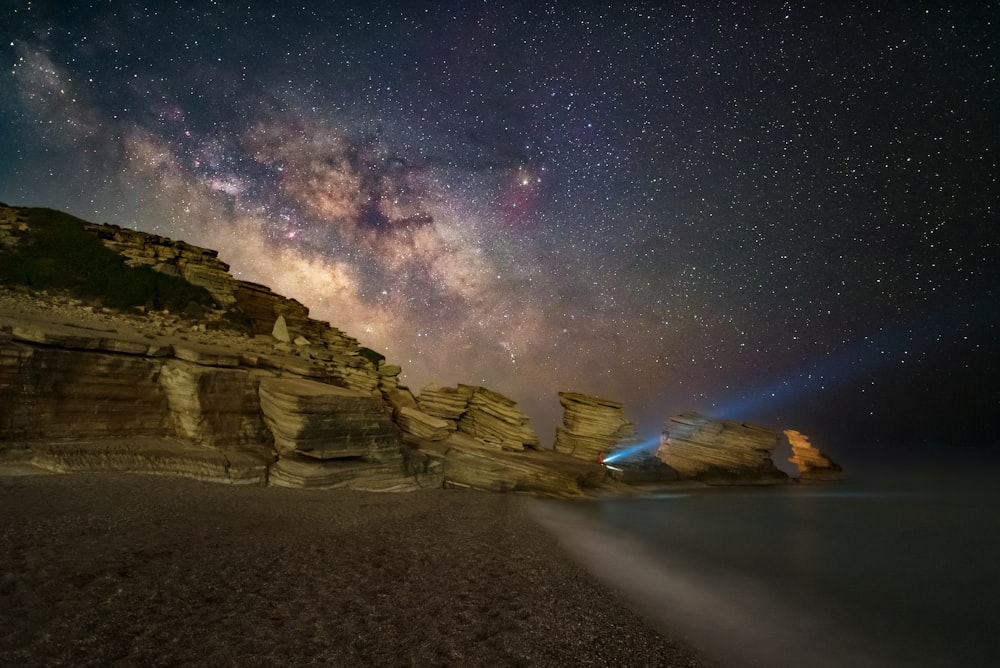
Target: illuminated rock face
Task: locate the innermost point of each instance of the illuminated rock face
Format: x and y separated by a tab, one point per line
813	463
469	463
592	427
704	448
323	421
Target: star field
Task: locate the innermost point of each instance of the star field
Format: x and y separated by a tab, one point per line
781	213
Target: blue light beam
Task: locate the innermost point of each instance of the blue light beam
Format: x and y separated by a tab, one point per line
631	450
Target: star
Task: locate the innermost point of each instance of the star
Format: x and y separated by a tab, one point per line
717	208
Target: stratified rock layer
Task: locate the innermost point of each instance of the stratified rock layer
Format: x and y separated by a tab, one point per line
290	401
198	266
495	420
213	406
487	416
468	463
813	463
137	454
422	425
592	427
482	441
700	447
448	403
323	421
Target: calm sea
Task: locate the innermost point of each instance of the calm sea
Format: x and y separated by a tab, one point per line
895	566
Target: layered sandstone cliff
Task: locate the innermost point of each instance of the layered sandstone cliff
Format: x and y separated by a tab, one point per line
111	392
249	389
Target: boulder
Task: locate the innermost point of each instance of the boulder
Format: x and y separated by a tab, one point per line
280	330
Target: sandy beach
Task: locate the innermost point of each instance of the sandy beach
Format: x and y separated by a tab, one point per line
119	569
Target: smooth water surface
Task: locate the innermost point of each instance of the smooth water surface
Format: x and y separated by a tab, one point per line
900	569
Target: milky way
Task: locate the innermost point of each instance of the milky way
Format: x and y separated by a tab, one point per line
782	214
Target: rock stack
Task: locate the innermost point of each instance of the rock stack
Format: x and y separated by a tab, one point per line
706	448
592	427
494	419
487	416
813	463
483	442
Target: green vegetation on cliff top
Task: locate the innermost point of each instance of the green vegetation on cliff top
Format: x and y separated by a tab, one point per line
59	253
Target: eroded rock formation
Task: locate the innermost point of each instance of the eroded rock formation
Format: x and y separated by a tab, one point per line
83	387
228	408
703	448
592	427
495	420
251	390
813	463
482	441
487	416
198	266
265	396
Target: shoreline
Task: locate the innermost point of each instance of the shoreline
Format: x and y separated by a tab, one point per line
101	568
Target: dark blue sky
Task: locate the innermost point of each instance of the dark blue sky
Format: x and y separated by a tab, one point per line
784	213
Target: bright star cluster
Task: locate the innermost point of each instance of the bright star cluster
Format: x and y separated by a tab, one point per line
777	212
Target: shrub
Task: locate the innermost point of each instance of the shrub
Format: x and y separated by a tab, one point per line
370	355
59	253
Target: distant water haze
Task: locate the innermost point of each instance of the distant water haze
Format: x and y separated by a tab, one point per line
895	566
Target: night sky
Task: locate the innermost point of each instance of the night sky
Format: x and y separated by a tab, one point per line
783	213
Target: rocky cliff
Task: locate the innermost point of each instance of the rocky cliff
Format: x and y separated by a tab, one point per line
247	389
84	388
196	373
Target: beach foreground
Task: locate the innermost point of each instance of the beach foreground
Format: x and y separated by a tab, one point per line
119	569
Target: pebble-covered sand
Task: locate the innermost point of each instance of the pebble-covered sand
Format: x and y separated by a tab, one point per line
121	570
